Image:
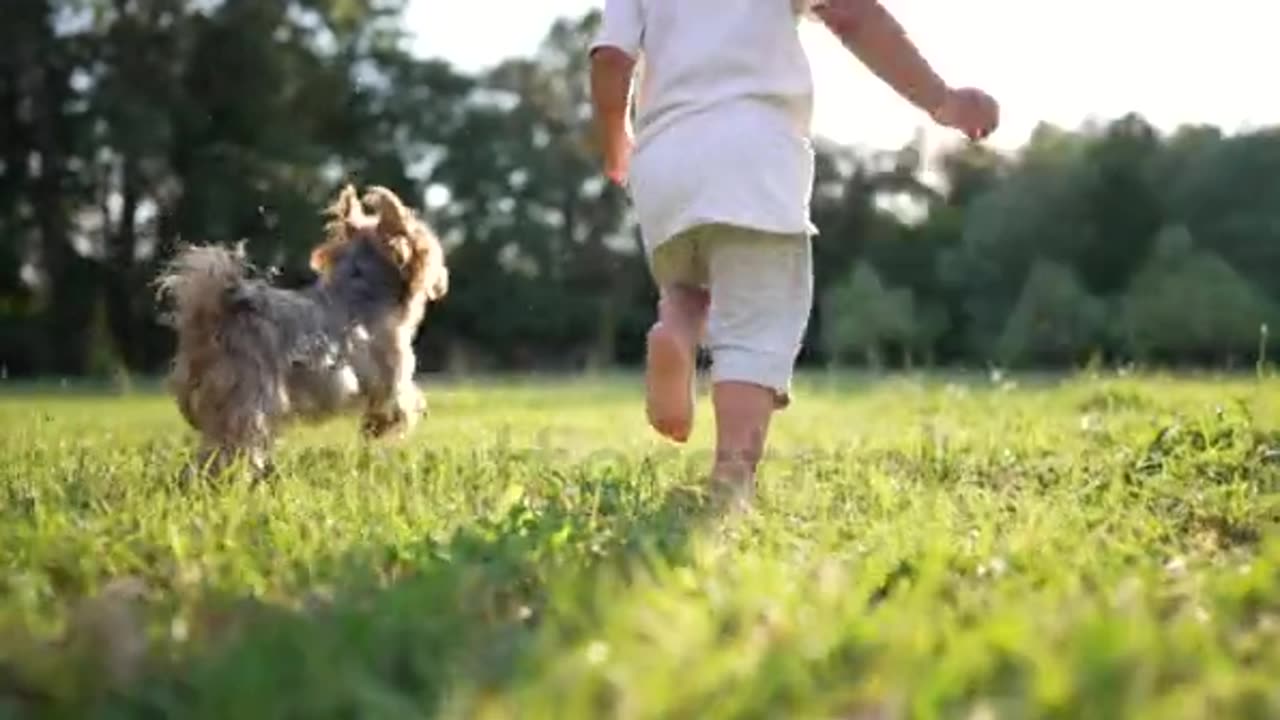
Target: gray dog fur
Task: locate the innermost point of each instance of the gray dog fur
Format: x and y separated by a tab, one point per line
252	357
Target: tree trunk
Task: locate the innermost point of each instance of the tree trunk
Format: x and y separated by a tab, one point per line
68	304
121	280
872	354
604	348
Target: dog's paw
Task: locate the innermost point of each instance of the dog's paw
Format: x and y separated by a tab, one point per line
373	426
378	425
400	415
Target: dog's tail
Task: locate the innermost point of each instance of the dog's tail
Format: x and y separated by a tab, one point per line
199	284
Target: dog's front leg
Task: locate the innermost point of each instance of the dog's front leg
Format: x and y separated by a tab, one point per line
394	402
395	408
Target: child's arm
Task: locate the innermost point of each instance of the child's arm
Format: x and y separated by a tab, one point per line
611	70
613	60
877	39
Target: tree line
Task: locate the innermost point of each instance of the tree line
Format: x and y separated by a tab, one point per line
130	126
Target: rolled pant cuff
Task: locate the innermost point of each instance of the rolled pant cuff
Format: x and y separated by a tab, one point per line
772	371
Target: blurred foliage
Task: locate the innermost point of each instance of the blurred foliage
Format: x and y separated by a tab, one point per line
129	126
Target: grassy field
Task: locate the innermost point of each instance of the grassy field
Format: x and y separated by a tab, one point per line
1094	548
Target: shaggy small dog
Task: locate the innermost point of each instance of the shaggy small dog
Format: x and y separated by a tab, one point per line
252	357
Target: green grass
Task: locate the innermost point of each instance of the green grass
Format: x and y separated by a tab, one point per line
1096	548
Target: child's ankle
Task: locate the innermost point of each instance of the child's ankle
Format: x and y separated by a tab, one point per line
732	474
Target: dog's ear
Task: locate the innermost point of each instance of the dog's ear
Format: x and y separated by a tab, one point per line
342	206
346	215
347	200
439	286
411	244
354	216
393	216
393	223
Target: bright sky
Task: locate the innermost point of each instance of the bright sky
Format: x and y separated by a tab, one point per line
1061	61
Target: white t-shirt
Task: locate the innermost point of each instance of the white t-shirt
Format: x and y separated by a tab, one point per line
723	112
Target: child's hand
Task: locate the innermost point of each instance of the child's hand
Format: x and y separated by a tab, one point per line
970	111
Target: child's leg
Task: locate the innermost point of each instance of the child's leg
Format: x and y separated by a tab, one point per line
761	295
672	342
743	411
671	360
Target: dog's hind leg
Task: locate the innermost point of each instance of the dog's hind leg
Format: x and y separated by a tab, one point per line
237	422
254	437
215	458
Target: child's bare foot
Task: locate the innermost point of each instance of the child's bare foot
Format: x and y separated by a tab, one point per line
669	374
